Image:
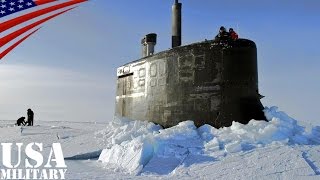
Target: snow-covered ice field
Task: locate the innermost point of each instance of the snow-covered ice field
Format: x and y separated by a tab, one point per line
282	148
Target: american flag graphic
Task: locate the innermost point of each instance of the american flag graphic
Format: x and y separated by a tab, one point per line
37	12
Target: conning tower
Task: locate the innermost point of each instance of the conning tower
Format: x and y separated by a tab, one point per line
210	82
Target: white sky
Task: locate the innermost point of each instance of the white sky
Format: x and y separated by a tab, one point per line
54	94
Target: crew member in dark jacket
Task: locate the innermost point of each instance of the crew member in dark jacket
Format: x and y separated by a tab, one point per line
223	34
21	121
30	117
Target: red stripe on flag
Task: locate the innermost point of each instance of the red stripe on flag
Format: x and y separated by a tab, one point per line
17	33
21	19
40	2
5	52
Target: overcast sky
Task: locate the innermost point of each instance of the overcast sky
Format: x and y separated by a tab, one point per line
67	70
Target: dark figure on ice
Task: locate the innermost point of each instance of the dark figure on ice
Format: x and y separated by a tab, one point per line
21	121
233	34
223	34
30	117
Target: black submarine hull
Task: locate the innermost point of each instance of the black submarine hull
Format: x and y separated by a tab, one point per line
211	82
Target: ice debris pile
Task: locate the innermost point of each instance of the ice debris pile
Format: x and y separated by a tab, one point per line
136	146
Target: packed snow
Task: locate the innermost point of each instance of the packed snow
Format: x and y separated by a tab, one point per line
142	148
280	148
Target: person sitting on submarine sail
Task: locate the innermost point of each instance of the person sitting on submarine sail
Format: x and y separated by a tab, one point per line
223	34
233	34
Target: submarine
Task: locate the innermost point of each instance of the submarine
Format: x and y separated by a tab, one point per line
210	82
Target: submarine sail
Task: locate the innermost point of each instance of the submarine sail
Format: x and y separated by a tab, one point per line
208	82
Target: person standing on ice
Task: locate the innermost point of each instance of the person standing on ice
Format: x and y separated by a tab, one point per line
30	117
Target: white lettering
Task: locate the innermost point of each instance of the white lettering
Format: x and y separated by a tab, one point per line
53	174
14	174
58	154
35	155
28	174
33	161
33	173
62	173
6	154
20	174
43	174
5	173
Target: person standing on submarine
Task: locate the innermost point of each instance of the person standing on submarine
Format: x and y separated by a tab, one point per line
30	117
